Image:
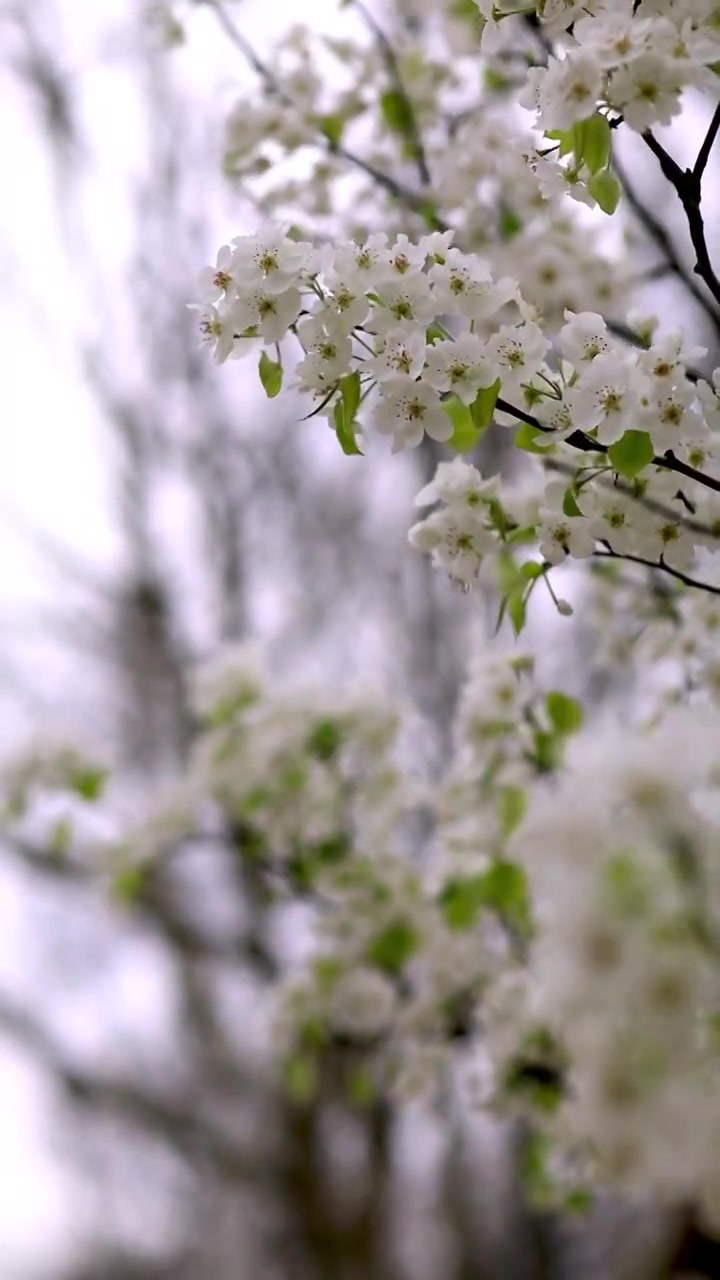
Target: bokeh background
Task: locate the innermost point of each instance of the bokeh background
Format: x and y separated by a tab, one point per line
153	508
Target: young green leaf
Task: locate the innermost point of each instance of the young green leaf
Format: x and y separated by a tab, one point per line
483	406
465	433
332	127
300	1077
461	900
397	112
390	949
271	375
527	436
596	143
631	453
505	890
509	223
350	393
526	533
566	713
89	783
570	506
532	569
517	612
565	137
512	803
605	190
345	430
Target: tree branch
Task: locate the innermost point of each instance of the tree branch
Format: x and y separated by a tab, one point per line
175	1121
415	201
662	567
688	186
579	440
707	146
659	234
391	63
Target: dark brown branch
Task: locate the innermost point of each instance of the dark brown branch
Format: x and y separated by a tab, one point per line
688	186
661	237
696	1251
707	145
579	440
174	1121
661	567
618	484
412	200
626	334
391	64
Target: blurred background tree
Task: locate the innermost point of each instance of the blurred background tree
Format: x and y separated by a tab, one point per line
178	1154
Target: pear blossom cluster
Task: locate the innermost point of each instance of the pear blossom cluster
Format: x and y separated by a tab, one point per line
407	340
425	146
534	924
624	884
553	951
634	59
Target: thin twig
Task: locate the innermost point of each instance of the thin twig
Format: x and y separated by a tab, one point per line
618	484
662	567
688	187
579	440
626	334
707	146
414	200
660	235
391	63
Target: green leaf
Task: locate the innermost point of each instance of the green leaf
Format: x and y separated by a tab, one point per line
546	754
89	783
508	576
512	806
483	406
526	533
509	224
526	437
532	569
533	1168
627	885
498	519
578	1200
326	970
605	190
60	837
434	334
631	453
361	1089
350	392
397	112
345	430
505	890
271	375
390	949
332	127
429	213
324	739
566	713
596	140
300	1077
517	612
570	506
461	901
539	1083
502	888
494	81
565	137
465	433
129	883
